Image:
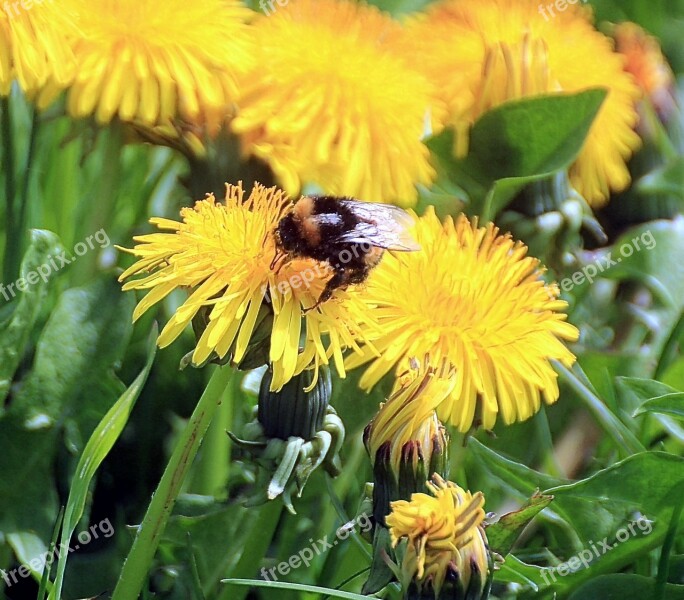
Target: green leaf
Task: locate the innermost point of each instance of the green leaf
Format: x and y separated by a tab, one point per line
261	534
98	447
45	584
521	479
668	179
516	143
651	248
669	404
514	475
209	524
578	381
513	570
83	339
676	574
503	534
602	506
85	336
298	587
642	483
534	135
15	332
380	573
622	586
627	506
651	396
644	389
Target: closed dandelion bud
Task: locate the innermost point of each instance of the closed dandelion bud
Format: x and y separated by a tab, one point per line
441	543
294	432
386	483
551	216
294	411
406	441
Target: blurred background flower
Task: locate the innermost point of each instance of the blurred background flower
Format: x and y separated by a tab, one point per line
329	103
483	53
149	62
33	47
644	60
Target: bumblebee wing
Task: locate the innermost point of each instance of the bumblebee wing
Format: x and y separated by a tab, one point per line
326	219
382	225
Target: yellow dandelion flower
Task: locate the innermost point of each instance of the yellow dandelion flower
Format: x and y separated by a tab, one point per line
151	61
408	415
482	53
328	103
222	254
644	60
33	48
472	298
445	533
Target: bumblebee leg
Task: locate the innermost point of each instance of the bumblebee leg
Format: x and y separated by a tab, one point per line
339	279
279	260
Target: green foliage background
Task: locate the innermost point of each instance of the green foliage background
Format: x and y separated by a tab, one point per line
88	421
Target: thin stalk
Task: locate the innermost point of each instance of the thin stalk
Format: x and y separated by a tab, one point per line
23	198
255	549
12	235
616	429
139	560
549	459
99	211
668	547
669	351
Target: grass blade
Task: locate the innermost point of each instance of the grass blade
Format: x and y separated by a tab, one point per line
98	447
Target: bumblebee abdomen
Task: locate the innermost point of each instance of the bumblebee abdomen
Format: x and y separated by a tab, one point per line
373	256
310	230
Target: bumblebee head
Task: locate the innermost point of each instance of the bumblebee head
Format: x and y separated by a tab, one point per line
287	234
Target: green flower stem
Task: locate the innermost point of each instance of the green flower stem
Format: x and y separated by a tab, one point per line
211	474
669	351
139	560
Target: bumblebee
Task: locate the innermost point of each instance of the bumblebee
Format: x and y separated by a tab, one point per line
349	235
